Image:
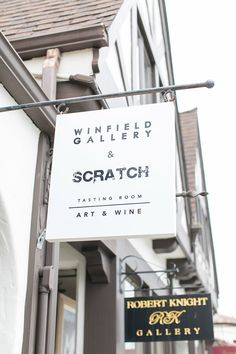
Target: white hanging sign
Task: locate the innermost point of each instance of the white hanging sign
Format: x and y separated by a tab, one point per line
113	174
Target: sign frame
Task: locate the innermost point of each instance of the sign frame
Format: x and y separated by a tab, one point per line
113	174
168	318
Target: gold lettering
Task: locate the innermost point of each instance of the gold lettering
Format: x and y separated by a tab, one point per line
149	303
168	333
156	303
187	331
161	303
156	317
146	303
139	333
204	300
158	333
191	301
129	304
165	317
172	302
197	330
149	333
177	331
180	302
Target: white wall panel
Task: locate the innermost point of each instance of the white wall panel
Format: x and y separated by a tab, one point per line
18	154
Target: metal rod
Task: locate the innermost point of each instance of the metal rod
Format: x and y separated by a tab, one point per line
164	288
151	271
64	101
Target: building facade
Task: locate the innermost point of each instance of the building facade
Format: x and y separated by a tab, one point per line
225	331
55	49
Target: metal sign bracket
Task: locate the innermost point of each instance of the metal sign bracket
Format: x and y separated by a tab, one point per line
123	274
167	91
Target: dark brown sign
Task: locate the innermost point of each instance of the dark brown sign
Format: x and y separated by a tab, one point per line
168	318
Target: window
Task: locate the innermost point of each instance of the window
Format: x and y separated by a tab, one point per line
145	69
147	74
71	295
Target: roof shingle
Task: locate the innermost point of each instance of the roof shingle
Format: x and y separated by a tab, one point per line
22	19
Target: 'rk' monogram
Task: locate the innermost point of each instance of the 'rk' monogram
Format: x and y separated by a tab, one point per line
165	317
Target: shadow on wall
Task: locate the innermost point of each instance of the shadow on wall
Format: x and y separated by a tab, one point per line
8	285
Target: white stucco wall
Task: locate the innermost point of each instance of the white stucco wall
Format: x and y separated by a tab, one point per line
18	153
71	63
144	247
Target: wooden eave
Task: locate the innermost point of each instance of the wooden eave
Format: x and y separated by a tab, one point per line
71	40
23	88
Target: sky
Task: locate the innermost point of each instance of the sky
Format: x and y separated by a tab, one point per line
203	45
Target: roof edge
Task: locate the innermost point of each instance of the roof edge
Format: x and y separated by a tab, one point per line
195	109
23	88
82	38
